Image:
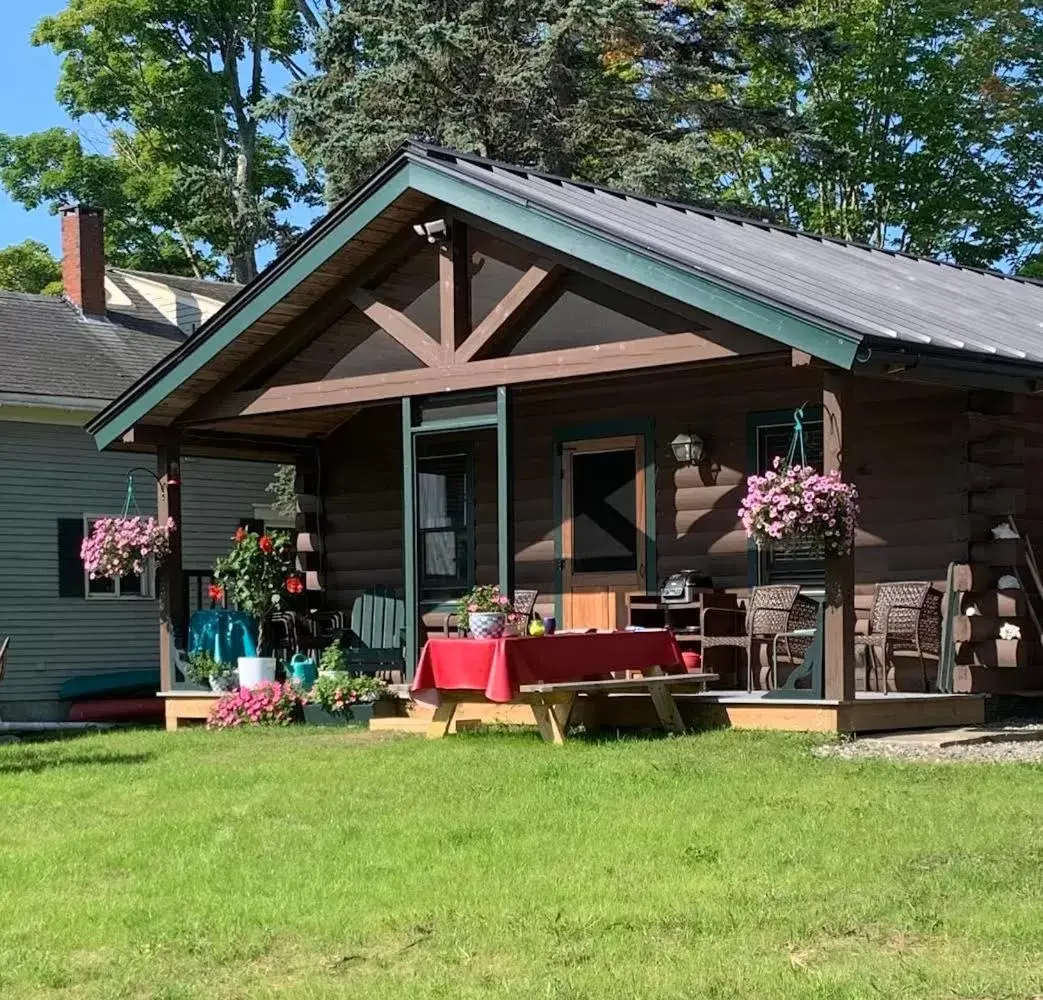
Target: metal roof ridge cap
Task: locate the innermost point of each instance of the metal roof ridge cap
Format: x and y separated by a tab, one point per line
444	153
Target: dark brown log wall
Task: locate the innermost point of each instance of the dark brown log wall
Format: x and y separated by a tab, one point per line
909	461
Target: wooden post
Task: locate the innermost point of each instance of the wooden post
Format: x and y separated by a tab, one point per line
409	535
839	637
454	272
169	578
504	492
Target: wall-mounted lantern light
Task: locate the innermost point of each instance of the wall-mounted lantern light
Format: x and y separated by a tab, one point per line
688	448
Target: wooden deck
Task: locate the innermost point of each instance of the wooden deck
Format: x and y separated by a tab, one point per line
184	706
869	712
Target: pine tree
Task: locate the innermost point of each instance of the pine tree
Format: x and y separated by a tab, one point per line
615	91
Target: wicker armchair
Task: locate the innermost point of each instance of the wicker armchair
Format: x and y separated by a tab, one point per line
769	611
906	617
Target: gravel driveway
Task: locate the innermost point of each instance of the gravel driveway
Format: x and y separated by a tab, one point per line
1015	743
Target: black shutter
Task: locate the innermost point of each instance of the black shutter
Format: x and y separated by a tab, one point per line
70	566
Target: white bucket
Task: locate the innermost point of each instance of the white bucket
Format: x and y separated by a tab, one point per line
254	670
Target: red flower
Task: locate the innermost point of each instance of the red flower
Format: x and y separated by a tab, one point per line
294	585
217	592
240	535
266	545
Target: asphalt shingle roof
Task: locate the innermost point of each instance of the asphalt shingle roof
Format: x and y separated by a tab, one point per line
48	348
219	291
886	296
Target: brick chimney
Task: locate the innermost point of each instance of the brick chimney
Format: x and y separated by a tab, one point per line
83	258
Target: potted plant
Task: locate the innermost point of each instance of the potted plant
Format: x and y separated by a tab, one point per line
205	670
791	506
122	546
339	697
257	575
484	612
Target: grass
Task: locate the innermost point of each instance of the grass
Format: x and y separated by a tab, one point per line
324	864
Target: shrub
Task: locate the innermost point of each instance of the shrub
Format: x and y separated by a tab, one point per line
268	704
256	574
333	660
202	666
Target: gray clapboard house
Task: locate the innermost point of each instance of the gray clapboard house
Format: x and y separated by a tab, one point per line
61	361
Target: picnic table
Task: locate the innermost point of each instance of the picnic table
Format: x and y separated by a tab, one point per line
548	673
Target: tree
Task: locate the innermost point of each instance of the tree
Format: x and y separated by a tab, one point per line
931	112
143	228
182	88
618	91
29	267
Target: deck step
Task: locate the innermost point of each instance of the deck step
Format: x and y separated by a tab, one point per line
398	724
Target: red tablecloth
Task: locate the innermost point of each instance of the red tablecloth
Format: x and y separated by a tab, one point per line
498	667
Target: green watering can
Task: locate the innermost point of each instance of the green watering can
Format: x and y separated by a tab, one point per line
303	671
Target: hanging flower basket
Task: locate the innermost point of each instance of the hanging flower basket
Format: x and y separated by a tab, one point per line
792	506
122	546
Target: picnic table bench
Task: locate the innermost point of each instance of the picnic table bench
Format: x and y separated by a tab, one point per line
552	703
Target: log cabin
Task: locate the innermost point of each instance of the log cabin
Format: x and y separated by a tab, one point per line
480	372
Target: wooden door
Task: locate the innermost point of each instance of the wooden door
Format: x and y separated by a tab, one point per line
603	530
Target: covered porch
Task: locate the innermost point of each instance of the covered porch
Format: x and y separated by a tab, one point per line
477	391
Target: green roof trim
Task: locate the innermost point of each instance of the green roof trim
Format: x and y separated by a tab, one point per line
353	222
523	217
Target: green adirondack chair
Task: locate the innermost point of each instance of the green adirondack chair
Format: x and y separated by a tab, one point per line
375	644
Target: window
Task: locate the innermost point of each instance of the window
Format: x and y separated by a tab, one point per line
773	433
445	526
129	587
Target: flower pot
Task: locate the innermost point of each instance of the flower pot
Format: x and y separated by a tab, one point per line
255	670
693	662
224	683
486	624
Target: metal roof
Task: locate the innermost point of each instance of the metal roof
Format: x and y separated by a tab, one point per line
880	294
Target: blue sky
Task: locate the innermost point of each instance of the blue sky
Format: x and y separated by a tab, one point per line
27	79
28	76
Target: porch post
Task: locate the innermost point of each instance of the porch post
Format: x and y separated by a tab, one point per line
504	492
169	576
839	638
409	535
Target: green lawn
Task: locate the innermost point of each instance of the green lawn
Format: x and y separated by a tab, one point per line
312	864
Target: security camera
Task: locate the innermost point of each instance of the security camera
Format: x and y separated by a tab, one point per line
434	230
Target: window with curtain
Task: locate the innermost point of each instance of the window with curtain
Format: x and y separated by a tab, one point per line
445	521
802	565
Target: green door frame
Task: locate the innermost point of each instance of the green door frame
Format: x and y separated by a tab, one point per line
644	428
499	421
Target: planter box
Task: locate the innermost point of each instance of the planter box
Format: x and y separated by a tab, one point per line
316	716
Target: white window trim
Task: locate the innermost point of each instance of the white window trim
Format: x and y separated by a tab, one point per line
148	578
